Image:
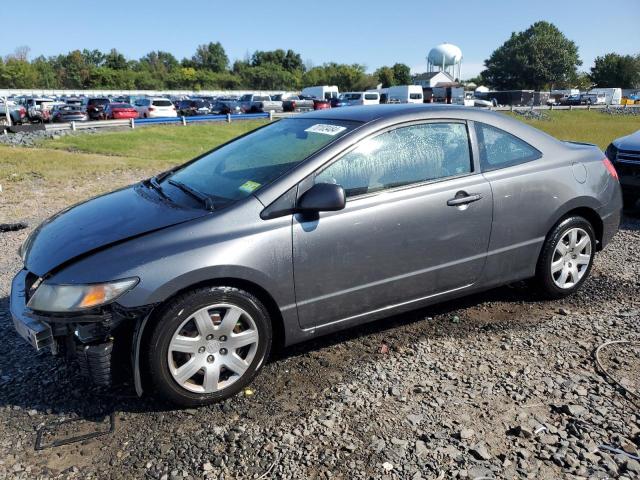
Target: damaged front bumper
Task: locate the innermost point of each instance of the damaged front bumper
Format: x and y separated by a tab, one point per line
101	340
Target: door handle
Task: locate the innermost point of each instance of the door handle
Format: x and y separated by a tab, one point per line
462	198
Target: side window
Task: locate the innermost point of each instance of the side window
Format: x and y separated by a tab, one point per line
407	155
499	149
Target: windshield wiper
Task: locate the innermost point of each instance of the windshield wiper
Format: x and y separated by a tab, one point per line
206	200
153	184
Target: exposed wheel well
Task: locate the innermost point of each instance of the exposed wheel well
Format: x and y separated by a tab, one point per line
593	218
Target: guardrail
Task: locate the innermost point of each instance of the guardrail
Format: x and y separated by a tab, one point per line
133	123
509	108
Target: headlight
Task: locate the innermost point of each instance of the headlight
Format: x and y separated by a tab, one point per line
72	298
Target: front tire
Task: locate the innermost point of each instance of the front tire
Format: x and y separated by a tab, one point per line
207	345
566	258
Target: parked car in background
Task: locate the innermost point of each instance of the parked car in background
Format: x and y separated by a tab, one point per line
251	103
96	108
17	113
624	153
78	101
294	103
69	113
339	101
189	108
155	107
321	104
188	277
361	98
120	111
405	94
39	109
226	105
575	99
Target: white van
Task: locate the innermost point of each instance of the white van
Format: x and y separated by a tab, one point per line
321	92
405	94
606	96
361	98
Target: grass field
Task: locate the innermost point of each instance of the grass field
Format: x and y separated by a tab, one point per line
38	181
586	126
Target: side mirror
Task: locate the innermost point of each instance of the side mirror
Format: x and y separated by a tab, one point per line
322	197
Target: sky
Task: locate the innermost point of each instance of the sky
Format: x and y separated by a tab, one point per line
373	33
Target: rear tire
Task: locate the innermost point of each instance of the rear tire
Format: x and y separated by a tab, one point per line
566	258
208	344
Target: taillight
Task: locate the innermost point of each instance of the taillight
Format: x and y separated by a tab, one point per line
151	109
610	168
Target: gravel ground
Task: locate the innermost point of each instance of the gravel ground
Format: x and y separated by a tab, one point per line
497	385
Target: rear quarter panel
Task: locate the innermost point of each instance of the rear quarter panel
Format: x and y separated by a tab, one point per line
530	198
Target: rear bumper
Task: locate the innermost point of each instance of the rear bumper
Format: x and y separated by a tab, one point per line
611	215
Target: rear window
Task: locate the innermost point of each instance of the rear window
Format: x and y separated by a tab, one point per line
415	96
120	105
262	98
162	103
370	96
500	149
352	96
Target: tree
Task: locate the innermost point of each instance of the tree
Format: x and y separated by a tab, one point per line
289	60
210	57
115	60
385	76
20	53
537	58
94	58
613	70
402	74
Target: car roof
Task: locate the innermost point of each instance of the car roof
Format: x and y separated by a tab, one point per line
369	113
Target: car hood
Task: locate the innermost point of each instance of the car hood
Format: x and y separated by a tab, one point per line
98	223
630	142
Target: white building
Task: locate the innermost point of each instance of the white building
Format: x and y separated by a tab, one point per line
432	79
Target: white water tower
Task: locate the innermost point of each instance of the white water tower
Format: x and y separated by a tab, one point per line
445	57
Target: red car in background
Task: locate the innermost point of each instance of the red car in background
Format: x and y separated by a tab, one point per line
118	111
321	104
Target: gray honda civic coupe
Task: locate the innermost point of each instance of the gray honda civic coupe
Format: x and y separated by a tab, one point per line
312	224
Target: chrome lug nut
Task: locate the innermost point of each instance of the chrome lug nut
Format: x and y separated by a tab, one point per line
201	350
223	338
210	358
209	337
223	351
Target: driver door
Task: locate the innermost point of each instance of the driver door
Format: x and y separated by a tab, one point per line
416	225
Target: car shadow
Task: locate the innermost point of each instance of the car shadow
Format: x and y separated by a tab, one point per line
38	381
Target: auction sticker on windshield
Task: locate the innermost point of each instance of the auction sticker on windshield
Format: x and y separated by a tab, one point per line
325	129
249	186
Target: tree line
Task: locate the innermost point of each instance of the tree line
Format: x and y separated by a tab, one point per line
208	69
538	58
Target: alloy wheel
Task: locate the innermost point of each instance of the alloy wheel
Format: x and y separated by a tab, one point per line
571	258
213	348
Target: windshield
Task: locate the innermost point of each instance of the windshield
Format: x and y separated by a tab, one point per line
162	103
241	167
